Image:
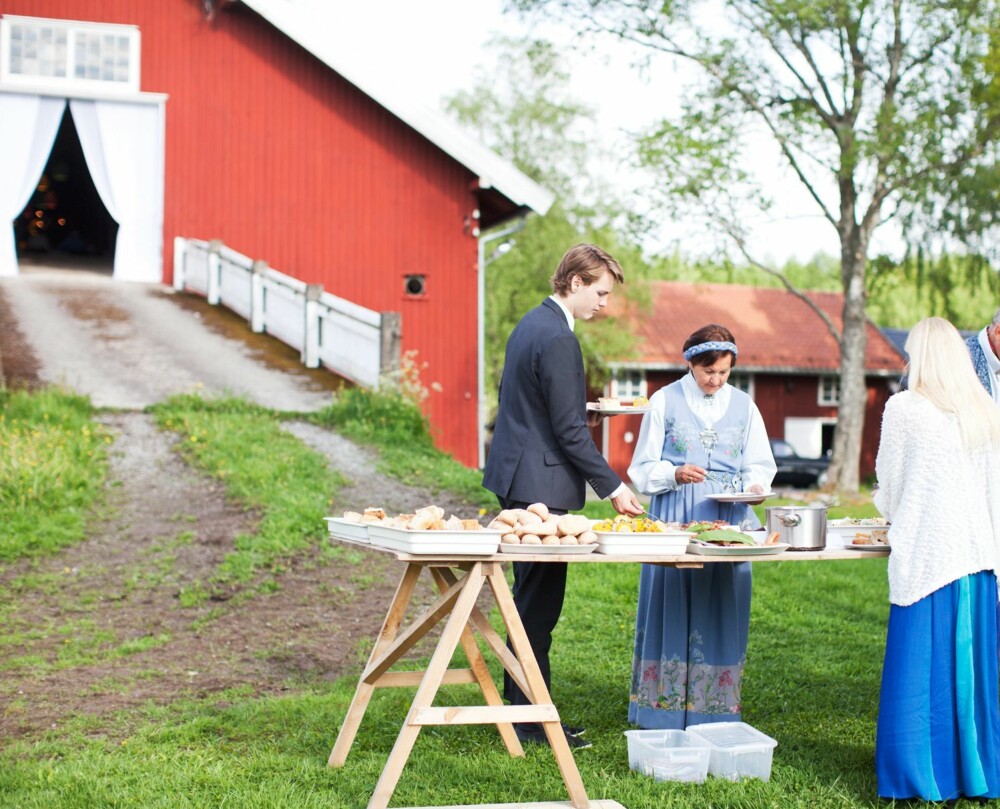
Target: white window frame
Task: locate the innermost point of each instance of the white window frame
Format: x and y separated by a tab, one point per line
828	391
620	390
70	83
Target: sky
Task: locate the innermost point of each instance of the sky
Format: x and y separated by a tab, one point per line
430	50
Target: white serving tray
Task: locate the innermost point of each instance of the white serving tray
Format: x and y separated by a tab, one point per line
339	527
484	542
625	544
550	550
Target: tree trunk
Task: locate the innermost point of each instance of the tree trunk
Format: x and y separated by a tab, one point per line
845	468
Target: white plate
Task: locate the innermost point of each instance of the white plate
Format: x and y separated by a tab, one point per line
508	547
339	527
883	548
737	550
595	407
738	497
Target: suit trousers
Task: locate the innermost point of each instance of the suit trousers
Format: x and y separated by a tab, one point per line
539	589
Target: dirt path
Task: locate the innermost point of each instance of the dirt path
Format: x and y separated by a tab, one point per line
103	626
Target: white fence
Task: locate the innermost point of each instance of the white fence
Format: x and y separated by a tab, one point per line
357	343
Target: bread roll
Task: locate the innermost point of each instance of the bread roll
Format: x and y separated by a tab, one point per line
587	538
552	540
525	517
570	540
540	509
498	525
426	517
573	524
470	525
508	515
531	539
540	529
510	539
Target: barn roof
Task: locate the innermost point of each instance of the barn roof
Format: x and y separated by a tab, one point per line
774	329
493	171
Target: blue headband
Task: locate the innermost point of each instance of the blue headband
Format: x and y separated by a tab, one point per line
701	348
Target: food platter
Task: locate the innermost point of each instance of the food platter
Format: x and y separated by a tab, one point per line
471	543
595	407
614	543
874	548
339	527
738	497
737	550
554	550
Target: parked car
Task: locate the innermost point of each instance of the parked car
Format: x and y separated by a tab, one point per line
794	470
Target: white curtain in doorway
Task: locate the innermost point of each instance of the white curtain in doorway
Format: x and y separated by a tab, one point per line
28	128
123	144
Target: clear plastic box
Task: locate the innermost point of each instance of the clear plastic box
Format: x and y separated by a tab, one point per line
668	755
737	750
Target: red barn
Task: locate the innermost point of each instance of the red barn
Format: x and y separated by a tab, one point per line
234	121
788	362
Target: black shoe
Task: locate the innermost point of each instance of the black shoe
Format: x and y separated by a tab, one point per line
539	737
573	730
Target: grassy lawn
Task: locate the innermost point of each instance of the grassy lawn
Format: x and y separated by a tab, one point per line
812	681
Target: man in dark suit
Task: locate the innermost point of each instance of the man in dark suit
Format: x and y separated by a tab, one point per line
542	450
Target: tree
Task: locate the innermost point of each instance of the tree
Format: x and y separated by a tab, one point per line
880	109
523	111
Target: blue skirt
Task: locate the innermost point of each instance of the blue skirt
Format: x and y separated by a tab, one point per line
938	733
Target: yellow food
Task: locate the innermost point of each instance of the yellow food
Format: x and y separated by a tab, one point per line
629	525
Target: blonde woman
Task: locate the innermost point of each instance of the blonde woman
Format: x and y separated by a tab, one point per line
938	467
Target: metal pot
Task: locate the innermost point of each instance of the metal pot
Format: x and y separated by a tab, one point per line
802	527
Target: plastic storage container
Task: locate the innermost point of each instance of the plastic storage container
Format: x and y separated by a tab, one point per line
668	755
737	750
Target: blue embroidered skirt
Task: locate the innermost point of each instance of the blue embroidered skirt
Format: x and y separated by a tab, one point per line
938	734
690	645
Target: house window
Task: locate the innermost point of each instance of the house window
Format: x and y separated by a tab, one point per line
627	384
743	382
66	54
829	390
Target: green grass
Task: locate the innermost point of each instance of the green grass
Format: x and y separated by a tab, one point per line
265	468
812	679
53	465
394	425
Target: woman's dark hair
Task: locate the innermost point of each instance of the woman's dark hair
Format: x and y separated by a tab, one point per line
712	333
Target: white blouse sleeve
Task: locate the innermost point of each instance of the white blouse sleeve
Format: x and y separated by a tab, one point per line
758	461
889	461
648	473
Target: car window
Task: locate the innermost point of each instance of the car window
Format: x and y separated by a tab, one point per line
782	449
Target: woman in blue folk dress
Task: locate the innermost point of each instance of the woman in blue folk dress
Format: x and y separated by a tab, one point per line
701	436
938	467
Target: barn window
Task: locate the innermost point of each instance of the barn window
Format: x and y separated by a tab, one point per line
66	54
743	382
829	390
627	384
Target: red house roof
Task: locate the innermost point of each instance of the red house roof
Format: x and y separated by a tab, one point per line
774	329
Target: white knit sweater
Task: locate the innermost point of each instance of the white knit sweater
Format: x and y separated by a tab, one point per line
943	502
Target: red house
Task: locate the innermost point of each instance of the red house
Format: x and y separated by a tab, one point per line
127	124
788	362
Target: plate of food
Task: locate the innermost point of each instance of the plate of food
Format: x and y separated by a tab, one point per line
712	549
613	406
738	497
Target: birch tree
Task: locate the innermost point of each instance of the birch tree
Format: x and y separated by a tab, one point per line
877	108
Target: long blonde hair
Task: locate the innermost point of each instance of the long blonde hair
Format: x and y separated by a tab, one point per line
941	370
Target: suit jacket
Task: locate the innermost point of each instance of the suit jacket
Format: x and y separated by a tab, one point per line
542	449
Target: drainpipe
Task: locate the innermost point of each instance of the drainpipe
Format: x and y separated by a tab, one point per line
481	336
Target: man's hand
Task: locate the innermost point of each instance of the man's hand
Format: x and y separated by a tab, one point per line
627	503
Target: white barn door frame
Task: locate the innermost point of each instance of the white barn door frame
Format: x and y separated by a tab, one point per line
123	142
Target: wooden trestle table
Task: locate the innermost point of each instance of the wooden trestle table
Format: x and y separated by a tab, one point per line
459	580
